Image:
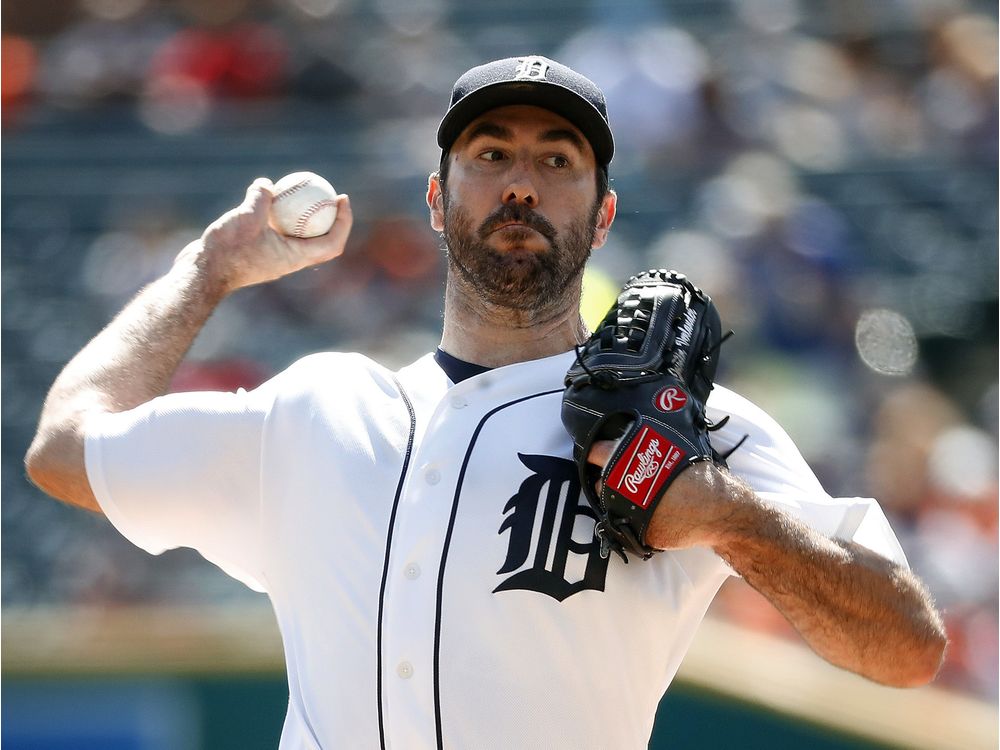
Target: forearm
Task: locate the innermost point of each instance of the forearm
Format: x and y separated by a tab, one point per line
133	359
128	363
856	609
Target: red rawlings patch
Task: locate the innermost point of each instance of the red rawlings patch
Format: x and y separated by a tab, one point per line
644	466
670	399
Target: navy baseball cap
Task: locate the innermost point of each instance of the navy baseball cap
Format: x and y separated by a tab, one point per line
533	80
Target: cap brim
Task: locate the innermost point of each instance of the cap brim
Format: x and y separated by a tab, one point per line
544	94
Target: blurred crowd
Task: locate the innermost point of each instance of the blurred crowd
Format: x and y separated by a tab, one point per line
827	171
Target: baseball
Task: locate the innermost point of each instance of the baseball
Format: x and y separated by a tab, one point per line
304	205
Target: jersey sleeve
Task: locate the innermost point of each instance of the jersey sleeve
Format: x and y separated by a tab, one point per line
183	470
771	464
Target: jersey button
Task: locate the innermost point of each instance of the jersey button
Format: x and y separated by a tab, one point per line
405	670
412	571
459	403
433	476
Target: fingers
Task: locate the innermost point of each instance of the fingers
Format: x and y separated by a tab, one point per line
249	251
600	452
345	218
331	244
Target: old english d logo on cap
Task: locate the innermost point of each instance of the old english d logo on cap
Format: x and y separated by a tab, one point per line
531	68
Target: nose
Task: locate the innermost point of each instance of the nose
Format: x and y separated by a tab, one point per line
521	190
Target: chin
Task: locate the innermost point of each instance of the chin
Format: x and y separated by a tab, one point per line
519	248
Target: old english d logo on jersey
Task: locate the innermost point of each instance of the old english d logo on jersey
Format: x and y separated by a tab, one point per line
553	491
531	68
647	462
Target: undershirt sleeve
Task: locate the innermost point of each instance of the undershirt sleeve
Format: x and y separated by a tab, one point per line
183	470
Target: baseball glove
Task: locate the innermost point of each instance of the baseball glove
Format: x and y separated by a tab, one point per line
643	378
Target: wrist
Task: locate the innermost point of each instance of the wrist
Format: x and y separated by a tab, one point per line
705	506
748	520
201	270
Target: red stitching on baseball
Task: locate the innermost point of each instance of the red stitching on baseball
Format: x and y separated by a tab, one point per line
293	189
300	225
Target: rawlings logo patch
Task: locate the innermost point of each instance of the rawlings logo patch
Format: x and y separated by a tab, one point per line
645	465
670	399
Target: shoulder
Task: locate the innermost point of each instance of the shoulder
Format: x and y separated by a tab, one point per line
326	370
767	457
745	417
327	382
332	363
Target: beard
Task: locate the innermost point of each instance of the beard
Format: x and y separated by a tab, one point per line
518	279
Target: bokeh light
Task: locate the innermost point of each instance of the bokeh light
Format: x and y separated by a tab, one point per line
885	342
963	463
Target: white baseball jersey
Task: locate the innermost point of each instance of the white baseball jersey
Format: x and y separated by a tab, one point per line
428	552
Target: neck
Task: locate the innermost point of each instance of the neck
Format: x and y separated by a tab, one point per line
486	334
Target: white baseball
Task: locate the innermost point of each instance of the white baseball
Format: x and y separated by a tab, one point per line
304	205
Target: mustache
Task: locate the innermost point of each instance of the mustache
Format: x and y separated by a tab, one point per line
520	213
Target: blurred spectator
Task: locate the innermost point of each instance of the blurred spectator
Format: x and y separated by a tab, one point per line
19	65
936	476
246	59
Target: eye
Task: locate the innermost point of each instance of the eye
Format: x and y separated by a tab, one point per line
558	161
492	155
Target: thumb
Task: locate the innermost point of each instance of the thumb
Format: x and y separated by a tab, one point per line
259	197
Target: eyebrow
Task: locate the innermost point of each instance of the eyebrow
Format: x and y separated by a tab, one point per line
561	134
489	129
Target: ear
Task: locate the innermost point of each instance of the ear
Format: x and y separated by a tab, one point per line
605	218
435	201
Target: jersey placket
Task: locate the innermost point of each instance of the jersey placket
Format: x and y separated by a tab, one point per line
410	608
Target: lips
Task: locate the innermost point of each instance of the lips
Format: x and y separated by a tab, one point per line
511	224
525	226
516	217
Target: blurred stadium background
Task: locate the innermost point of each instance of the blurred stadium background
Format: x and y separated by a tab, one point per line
827	170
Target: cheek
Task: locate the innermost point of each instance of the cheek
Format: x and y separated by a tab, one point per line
575	206
473	201
578	190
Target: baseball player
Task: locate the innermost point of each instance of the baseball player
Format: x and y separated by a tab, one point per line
422	533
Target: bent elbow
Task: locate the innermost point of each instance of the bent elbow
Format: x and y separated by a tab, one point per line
923	664
928	666
935	646
922	651
36	466
55	465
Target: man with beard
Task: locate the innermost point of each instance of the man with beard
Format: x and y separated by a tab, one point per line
421	533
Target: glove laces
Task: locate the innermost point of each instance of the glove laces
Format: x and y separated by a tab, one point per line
602	379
